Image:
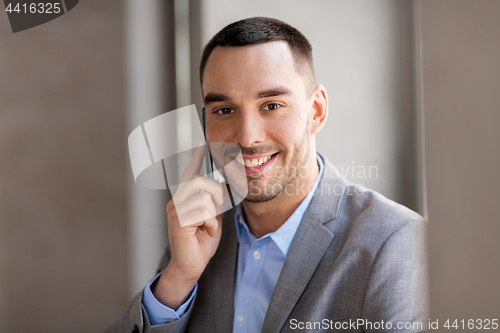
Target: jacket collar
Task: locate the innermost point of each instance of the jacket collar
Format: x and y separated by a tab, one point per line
325	204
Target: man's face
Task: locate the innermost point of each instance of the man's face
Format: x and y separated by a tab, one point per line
255	98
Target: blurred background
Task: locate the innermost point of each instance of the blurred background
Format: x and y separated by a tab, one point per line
414	89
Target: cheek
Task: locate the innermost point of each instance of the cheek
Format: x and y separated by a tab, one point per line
218	133
288	132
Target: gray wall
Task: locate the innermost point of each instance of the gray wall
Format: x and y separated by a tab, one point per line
461	62
151	80
63	172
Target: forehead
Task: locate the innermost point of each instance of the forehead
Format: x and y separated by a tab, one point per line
246	69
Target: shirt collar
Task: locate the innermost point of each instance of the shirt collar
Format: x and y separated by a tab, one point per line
282	237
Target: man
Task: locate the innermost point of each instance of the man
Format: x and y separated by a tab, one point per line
305	250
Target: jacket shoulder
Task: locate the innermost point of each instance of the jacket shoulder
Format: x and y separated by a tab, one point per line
366	220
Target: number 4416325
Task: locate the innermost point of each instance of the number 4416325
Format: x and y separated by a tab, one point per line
485	324
33	8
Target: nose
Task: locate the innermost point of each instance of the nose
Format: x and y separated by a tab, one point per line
251	129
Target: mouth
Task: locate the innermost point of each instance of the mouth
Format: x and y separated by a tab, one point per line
255	164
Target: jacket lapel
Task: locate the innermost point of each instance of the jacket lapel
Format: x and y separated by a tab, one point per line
221	300
308	247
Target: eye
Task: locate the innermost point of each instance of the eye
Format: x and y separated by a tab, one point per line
271	106
224	111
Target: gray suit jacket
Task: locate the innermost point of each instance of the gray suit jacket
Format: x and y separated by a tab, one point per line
356	256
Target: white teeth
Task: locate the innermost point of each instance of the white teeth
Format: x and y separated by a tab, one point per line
255	162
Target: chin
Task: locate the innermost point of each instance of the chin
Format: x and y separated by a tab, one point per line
260	198
264	193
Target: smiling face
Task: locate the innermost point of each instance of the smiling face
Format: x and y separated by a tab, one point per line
255	97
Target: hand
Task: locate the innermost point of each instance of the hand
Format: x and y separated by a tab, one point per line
194	243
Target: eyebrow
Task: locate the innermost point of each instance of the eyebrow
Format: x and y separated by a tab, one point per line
215	97
274	92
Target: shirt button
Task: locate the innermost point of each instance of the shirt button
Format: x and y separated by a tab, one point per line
256	254
240	318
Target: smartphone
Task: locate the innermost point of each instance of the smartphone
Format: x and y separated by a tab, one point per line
208	156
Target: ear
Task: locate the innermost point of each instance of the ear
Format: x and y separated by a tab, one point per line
319	108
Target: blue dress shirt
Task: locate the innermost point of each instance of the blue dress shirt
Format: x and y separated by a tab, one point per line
259	265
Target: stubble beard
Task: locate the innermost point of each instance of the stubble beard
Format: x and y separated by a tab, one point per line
260	190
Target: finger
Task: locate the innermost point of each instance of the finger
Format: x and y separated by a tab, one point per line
170	206
211	226
199	217
195	186
200	200
195	163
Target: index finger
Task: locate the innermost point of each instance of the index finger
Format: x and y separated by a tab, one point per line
194	166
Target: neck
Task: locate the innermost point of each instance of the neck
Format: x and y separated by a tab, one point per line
269	216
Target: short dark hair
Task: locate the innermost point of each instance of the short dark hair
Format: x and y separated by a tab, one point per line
257	30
